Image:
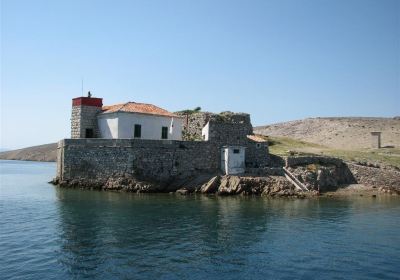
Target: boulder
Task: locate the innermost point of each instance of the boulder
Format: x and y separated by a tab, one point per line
183	191
211	186
230	185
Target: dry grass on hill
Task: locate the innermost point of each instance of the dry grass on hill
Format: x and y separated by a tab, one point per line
283	146
347	138
337	133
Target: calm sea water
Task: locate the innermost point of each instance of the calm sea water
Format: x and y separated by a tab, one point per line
52	233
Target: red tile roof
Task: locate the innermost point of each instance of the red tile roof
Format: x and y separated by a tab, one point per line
142	108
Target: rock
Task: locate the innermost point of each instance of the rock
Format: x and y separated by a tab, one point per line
183	191
229	185
278	186
326	179
211	186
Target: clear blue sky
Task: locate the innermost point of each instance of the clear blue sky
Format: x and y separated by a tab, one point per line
278	60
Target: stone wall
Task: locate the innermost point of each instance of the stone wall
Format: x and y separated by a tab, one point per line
232	129
159	160
228	133
342	172
84	117
257	154
375	177
193	123
292	161
319	172
229	128
149	159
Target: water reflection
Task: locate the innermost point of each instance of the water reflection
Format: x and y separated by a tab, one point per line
52	233
137	233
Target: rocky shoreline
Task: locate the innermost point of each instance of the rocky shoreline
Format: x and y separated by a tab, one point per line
223	185
273	186
318	175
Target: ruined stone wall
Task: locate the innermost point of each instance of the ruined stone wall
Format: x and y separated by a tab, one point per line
375	177
234	122
232	129
230	117
84	117
149	159
292	161
229	128
193	123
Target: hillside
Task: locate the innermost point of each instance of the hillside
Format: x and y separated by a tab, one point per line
346	138
47	152
339	133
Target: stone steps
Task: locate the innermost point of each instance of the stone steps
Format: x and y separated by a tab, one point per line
295	181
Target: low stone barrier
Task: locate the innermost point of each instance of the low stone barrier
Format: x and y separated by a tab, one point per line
292	161
375	177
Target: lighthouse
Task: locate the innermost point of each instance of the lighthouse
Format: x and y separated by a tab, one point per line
84	117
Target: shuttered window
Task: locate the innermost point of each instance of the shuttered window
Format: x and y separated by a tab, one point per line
164	132
137	131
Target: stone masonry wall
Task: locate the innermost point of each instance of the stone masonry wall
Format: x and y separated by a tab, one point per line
375	177
350	172
76	122
84	117
193	123
232	129
305	160
229	128
159	160
149	159
257	154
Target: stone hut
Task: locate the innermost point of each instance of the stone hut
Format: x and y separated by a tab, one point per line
376	139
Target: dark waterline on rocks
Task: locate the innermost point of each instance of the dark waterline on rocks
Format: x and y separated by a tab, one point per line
52	233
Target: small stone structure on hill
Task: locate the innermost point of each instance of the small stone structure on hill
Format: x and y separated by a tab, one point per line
376	139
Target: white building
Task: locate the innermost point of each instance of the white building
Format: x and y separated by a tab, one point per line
233	159
139	120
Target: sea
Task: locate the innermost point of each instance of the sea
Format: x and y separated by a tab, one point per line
47	232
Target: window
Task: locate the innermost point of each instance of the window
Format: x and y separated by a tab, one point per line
137	133
236	151
258	145
89	133
164	132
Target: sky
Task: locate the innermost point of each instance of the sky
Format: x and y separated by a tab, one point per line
279	60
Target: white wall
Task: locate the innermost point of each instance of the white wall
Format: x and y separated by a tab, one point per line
151	126
205	131
232	163
108	125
